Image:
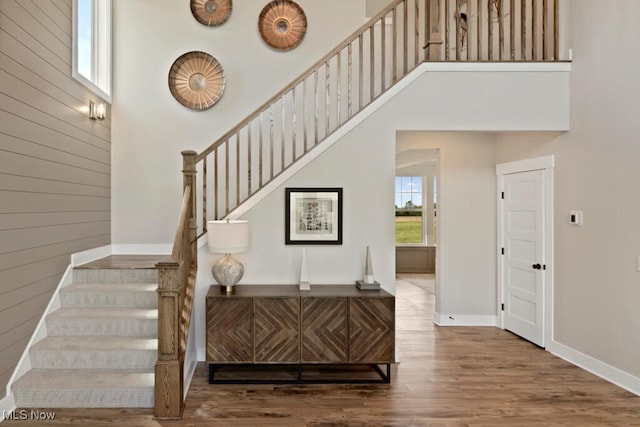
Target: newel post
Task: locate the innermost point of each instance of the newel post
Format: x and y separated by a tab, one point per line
434	31
191	233
169	369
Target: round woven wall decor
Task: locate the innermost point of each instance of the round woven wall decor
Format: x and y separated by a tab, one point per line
196	80
282	24
211	12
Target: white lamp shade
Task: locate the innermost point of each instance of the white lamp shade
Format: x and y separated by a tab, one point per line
228	237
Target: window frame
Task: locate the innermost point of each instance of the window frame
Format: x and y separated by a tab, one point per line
423	234
100	82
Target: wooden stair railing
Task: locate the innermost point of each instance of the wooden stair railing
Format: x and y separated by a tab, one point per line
312	107
176	287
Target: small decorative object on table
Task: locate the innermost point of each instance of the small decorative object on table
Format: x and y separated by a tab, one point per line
305	284
368	284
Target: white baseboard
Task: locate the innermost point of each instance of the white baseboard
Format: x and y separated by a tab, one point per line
464	320
201	354
189	373
90	255
145	249
7	406
596	367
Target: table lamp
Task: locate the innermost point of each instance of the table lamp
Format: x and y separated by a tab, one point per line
228	237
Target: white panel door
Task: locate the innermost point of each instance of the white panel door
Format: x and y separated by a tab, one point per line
523	233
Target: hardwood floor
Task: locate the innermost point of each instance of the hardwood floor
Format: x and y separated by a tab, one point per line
450	377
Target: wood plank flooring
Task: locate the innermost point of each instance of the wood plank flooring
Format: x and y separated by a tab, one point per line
449	377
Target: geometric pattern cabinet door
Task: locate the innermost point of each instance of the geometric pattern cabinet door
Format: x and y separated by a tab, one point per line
276	329
229	330
324	330
371	330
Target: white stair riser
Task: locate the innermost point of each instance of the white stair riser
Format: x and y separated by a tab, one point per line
115	276
93	327
106	298
58	397
55	359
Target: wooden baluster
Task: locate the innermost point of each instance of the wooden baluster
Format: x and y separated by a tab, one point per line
545	52
226	177
427	22
360	72
458	28
372	67
489	32
405	38
523	29
327	99
305	137
512	29
204	195
350	81
395	44
294	126
479	37
260	150
434	31
282	133
556	30
416	37
249	167
316	106
189	172
216	214
271	131
500	13
339	88
237	168
446	30
534	30
383	54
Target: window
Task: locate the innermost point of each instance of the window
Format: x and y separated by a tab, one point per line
92	45
409	213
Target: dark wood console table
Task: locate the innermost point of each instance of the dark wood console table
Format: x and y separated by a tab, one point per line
281	325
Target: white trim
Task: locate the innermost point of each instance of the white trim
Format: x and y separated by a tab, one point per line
143	249
188	376
596	367
40	332
7	406
90	255
536	163
201	354
509	67
546	163
464	319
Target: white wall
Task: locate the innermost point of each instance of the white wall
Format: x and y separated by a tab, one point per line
150	128
597	287
363	163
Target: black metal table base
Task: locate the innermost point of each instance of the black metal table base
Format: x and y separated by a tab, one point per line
385	376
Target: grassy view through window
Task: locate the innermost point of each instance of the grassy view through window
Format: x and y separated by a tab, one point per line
408	229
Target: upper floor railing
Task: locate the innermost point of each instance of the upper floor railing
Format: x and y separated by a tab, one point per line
312	107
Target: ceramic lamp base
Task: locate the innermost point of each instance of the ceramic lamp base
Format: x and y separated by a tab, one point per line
227	271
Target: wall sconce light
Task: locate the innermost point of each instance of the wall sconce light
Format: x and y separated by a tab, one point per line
97	111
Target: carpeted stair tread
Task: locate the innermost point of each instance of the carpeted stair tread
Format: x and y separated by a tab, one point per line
120	321
102	352
85	388
110	294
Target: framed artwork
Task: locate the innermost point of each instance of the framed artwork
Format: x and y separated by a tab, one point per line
313	216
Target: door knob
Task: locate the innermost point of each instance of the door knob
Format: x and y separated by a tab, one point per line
537	267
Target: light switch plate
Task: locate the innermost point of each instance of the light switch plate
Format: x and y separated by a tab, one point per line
575	217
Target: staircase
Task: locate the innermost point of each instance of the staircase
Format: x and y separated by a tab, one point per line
101	345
